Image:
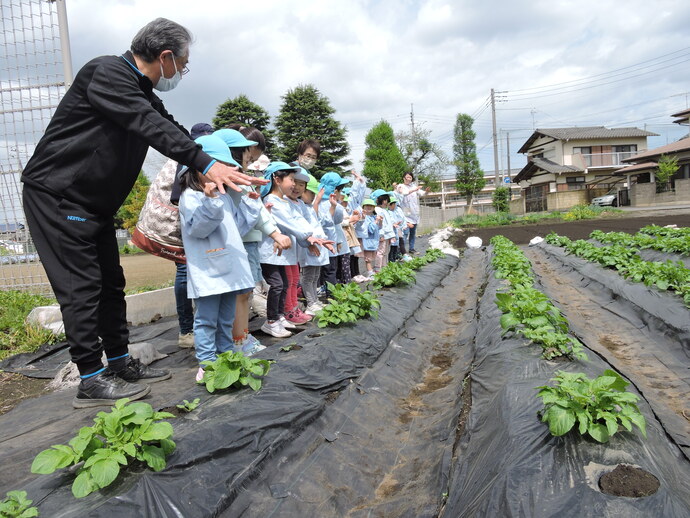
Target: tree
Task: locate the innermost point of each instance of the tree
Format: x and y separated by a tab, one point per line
128	214
500	199
424	159
383	162
666	168
469	178
241	110
306	113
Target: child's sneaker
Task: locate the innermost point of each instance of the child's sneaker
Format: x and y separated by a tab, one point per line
185	340
286	323
312	309
200	375
275	329
248	347
297	318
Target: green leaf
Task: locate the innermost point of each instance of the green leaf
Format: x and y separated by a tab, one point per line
560	420
50	460
159	430
225	378
83	485
254	383
620	383
598	432
639	420
153	456
509	321
104	472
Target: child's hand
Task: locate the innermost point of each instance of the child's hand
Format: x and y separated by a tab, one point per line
282	241
314	250
268	206
379	219
319	196
333	199
253	195
211	189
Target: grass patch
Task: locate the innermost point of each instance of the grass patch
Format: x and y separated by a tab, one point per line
130	250
149	287
497	219
16	336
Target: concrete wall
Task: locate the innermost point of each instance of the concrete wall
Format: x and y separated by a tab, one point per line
645	195
517	206
565	199
434	217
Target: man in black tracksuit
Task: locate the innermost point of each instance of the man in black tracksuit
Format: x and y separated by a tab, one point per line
80	173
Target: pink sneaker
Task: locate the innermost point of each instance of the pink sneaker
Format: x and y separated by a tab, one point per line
199	375
304	315
295	318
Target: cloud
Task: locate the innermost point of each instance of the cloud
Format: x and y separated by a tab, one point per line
374	58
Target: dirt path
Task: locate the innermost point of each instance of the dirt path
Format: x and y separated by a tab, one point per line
639	356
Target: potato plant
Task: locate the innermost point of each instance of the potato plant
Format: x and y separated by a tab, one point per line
347	303
234	369
598	406
128	432
526	310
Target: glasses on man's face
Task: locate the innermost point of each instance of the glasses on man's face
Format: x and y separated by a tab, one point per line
184	70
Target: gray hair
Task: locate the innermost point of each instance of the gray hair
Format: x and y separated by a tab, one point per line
159	35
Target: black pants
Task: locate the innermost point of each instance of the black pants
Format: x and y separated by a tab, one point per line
328	272
276	278
393	254
354	266
79	253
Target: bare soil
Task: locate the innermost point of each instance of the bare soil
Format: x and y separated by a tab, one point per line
628	481
629	222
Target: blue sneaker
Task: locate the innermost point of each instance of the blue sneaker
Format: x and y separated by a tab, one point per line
248	347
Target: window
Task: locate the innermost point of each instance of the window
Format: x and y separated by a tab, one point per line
574	179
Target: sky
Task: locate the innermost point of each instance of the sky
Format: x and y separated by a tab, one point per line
552	63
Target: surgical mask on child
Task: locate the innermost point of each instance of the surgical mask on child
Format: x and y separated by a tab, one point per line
165	84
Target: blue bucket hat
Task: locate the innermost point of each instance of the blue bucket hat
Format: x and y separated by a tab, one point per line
233	138
347	191
274	167
378	192
330	182
216	148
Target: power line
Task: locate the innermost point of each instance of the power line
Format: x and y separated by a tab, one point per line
612	73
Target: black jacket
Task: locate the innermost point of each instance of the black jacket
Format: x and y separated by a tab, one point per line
95	144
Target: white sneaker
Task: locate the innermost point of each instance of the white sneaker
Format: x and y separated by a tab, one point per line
286	323
312	309
275	329
200	375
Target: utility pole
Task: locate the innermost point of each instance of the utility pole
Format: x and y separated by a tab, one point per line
64	44
493	120
508	153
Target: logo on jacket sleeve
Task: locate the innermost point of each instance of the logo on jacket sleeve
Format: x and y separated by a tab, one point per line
75	218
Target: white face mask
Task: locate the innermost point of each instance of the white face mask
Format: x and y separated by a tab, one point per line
165	84
307	163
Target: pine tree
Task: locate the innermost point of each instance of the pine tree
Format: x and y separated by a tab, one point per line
304	114
241	110
128	214
469	178
384	164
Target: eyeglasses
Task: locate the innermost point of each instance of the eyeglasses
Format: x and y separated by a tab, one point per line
185	69
313	157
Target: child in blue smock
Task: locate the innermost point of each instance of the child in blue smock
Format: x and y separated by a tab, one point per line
331	214
368	229
217	265
290	221
382	198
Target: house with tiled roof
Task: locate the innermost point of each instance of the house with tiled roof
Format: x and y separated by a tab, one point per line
640	170
570	166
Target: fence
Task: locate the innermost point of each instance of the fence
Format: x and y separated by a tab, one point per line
31	85
433	217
